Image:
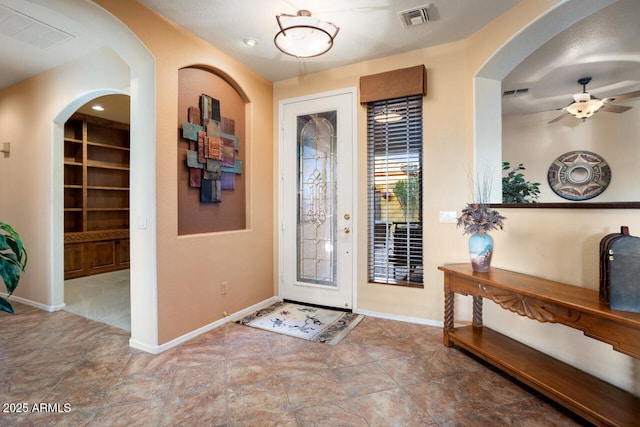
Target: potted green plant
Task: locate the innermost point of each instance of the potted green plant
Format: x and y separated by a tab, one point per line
407	192
478	219
515	189
13	261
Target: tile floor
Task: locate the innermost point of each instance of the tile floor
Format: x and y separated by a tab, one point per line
385	373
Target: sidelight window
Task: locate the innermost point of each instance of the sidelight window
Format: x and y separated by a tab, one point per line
394	140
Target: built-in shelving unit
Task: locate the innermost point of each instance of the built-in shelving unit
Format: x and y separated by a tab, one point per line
96	196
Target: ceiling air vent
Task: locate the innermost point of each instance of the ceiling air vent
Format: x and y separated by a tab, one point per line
416	16
515	92
29	30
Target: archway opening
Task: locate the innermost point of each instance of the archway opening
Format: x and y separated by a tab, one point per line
96	147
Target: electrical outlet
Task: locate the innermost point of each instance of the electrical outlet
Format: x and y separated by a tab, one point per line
223	288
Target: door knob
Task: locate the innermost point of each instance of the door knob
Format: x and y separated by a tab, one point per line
347	217
347	230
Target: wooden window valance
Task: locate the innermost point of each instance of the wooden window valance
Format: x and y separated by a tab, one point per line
393	84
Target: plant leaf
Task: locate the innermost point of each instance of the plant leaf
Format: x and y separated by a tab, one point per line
5	306
13	260
12	241
10	274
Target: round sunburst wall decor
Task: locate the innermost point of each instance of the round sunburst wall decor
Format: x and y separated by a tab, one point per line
579	175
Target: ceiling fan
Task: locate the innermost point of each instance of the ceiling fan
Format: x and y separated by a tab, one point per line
585	105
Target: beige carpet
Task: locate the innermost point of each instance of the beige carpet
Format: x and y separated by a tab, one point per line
101	297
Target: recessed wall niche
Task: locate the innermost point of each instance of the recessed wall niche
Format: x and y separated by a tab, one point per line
226	211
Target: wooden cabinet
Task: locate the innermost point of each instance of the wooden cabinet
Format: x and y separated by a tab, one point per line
549	302
96	196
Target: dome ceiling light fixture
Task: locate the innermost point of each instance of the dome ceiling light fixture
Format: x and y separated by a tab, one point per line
304	36
584	105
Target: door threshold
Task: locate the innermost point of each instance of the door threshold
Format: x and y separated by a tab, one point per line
326	307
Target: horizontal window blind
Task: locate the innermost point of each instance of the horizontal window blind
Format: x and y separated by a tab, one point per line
394	140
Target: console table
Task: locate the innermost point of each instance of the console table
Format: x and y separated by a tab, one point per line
546	301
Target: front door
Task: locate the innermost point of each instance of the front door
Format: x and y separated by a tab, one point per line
317	216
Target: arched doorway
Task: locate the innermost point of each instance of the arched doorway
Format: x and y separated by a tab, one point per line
144	328
96	211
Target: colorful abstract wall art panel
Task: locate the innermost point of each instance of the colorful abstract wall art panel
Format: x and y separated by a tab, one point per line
212	157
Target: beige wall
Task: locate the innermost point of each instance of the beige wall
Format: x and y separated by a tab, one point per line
191	268
556	244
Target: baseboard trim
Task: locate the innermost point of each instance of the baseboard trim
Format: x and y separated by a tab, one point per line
49	308
242	313
399	318
231	318
186	337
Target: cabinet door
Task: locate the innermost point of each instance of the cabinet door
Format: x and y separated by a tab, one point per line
122	253
103	256
74	260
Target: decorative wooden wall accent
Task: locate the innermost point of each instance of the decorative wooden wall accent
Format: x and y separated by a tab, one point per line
393	84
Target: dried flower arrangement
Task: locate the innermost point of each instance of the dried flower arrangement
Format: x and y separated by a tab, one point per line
480	218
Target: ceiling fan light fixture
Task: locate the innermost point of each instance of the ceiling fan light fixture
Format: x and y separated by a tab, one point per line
304	36
585	109
584	105
581	97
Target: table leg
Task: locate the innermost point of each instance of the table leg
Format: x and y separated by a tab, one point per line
448	317
477	312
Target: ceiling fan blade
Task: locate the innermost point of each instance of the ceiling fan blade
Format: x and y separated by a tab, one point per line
615	108
572	122
557	119
622	96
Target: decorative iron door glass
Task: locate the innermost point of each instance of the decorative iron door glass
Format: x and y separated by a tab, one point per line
316	213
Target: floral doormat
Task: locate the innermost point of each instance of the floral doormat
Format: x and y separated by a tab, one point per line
310	323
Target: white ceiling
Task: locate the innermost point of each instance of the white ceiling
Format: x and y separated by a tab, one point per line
605	46
23	23
368	28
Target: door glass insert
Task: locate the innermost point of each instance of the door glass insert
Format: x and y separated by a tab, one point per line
316	213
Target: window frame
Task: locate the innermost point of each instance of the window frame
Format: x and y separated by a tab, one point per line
395	154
